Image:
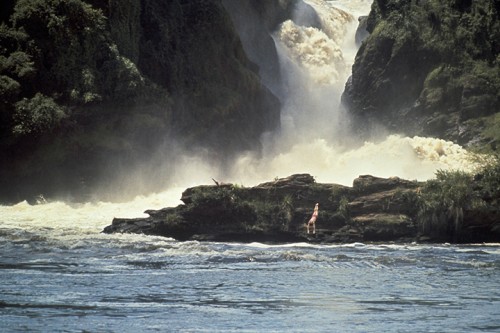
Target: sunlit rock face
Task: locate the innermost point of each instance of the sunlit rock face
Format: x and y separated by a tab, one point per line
429	68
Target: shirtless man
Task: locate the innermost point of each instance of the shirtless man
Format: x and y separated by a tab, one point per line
312	220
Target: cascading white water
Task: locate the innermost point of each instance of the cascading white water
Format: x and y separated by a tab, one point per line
59	273
315	65
314	71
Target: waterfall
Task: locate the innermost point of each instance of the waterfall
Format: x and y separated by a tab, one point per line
316	50
314	72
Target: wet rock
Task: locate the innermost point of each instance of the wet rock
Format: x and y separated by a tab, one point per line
386	227
255	20
277	211
361	32
373	209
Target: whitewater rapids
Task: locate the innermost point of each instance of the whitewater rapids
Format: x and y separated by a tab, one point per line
315	65
60	273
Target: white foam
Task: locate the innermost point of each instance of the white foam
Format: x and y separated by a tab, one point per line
316	67
67	225
414	158
314	51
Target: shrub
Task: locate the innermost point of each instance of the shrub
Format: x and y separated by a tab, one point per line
9	88
442	203
19	64
36	116
489	181
73	53
343	209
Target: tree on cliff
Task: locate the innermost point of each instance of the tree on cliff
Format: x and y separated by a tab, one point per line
58	68
430	68
98	82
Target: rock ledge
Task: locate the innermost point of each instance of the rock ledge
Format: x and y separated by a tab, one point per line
372	210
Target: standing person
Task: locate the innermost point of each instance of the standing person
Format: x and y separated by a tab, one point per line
312	220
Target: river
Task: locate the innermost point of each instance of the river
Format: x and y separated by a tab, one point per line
69	277
59	273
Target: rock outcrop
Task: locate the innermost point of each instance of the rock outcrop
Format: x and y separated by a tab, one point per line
194	50
89	87
373	209
430	68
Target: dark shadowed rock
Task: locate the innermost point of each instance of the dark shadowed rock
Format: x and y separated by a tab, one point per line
254	21
110	84
361	32
428	68
374	209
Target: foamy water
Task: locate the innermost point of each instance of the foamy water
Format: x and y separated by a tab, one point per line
315	67
414	158
315	64
63	224
319	55
59	224
59	273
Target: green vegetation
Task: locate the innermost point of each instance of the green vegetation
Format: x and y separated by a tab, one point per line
486	133
443	202
111	82
343	209
409	199
488	181
73	55
67	93
492	129
57	59
223	204
37	115
223	196
429	66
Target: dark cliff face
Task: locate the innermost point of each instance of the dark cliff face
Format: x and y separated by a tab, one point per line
193	50
429	68
6	8
97	87
255	21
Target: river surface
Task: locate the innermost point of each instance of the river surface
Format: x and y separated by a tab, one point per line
60	274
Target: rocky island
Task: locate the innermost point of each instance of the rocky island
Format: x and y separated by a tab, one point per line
373	209
93	91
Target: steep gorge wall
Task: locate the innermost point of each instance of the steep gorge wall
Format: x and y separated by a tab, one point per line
255	21
96	87
430	68
193	50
